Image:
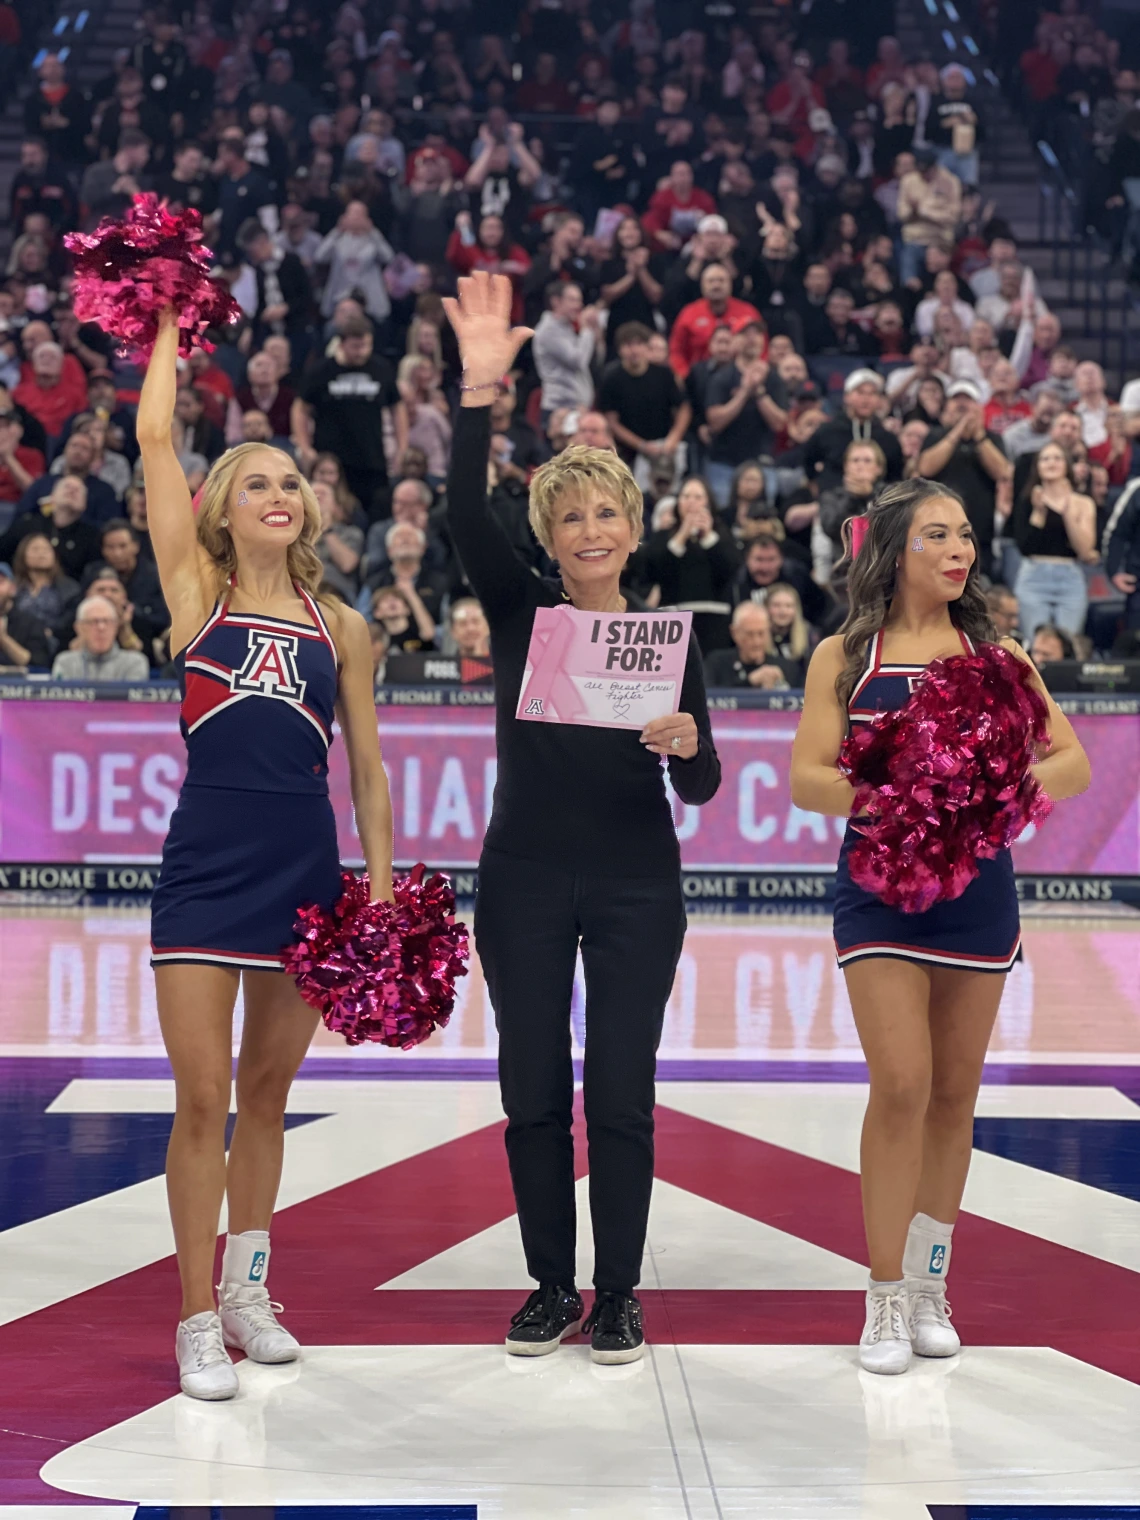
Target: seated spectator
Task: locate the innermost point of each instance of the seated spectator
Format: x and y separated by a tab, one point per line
341	544
928	403
526	449
944	297
593	432
120	549
24	639
73	538
405	551
98	657
791	634
1007	404
962	455
19	465
693	565
675	210
753	662
409	629
748	510
694	327
825	451
107	464
929	208
263	392
1027	435
1050	645
327	467
1092	403
902	384
49	393
1005	613
864	465
1032	355
642	402
1122	552
469	630
101	580
43	591
766	564
1054	527
564	346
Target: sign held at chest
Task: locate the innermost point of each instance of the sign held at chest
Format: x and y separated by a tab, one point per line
604	670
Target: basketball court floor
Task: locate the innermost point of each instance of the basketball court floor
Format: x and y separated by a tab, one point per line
397	1259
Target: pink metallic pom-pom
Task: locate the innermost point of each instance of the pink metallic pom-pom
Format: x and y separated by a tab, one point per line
127	272
945	781
382	972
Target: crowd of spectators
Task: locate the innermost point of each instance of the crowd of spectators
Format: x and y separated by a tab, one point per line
758	265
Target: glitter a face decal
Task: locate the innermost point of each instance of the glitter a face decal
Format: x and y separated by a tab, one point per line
915	543
243	501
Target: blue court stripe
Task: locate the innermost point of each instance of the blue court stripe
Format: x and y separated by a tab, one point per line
1102	1153
1034	1512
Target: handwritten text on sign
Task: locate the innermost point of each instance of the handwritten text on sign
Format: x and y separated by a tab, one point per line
604	669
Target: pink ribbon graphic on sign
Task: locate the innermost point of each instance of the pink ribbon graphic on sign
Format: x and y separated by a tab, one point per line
548	682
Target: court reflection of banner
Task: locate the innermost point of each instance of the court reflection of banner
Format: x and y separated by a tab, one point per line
81	984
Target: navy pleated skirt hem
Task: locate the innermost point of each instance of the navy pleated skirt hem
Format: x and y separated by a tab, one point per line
236	866
979	931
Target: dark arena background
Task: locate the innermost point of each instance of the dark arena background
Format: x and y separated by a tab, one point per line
774	254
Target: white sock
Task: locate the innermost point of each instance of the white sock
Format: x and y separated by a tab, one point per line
926	1260
246	1260
885	1289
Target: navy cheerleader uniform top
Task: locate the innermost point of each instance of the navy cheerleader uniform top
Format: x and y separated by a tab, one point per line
258	701
978	931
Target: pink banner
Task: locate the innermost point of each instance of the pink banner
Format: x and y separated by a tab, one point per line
97	782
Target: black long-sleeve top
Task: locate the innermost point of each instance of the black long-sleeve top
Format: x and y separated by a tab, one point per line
586	799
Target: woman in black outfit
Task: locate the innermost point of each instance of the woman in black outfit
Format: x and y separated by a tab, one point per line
580	850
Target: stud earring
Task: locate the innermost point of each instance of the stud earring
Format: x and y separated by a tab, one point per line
225	522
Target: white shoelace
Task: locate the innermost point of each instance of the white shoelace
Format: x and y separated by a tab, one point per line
930	1308
207	1344
888	1315
258	1312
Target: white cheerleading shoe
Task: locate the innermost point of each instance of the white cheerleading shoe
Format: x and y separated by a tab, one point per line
928	1318
249	1322
884	1346
204	1367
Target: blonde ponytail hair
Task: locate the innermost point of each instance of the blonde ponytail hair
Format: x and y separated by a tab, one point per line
303	563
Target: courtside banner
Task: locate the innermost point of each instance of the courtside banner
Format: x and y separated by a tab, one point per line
95	783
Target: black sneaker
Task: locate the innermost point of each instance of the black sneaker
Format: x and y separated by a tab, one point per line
615	1329
549	1315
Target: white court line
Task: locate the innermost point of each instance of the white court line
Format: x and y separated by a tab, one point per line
105	726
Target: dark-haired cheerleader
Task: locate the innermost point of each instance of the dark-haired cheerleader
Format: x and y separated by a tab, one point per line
924	987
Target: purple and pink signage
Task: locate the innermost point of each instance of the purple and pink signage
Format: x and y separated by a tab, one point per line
97	783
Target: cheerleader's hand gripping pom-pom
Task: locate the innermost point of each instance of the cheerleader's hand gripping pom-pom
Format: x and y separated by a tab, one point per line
127	272
946	781
382	972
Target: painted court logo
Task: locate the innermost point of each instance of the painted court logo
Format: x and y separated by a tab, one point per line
257	1267
937	1260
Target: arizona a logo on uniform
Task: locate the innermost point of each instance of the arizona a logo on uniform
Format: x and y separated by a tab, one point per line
270	667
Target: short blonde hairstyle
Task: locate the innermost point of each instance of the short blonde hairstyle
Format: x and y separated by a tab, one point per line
577	471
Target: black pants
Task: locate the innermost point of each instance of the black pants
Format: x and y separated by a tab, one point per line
370	487
529	921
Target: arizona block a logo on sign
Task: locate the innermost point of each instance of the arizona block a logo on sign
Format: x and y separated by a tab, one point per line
604	669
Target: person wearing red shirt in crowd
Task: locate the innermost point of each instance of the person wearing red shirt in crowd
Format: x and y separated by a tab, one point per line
791	102
544	90
1115	451
890	66
1007	404
50	392
19	465
436	145
676	209
695	324
1040	66
489	249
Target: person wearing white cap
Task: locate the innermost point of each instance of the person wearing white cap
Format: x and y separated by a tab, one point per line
961	454
825	450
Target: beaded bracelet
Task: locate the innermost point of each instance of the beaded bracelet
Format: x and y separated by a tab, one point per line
489	385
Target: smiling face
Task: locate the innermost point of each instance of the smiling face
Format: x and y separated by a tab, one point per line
781	609
940	571
265	505
591	538
1052	464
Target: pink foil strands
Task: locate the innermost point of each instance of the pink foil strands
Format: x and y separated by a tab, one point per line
382	972
945	781
127	272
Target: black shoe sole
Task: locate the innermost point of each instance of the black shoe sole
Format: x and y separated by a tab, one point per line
543	1348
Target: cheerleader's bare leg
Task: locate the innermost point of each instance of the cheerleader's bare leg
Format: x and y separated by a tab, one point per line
278	1030
195	1012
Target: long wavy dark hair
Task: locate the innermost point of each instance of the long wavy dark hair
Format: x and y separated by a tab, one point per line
870	576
